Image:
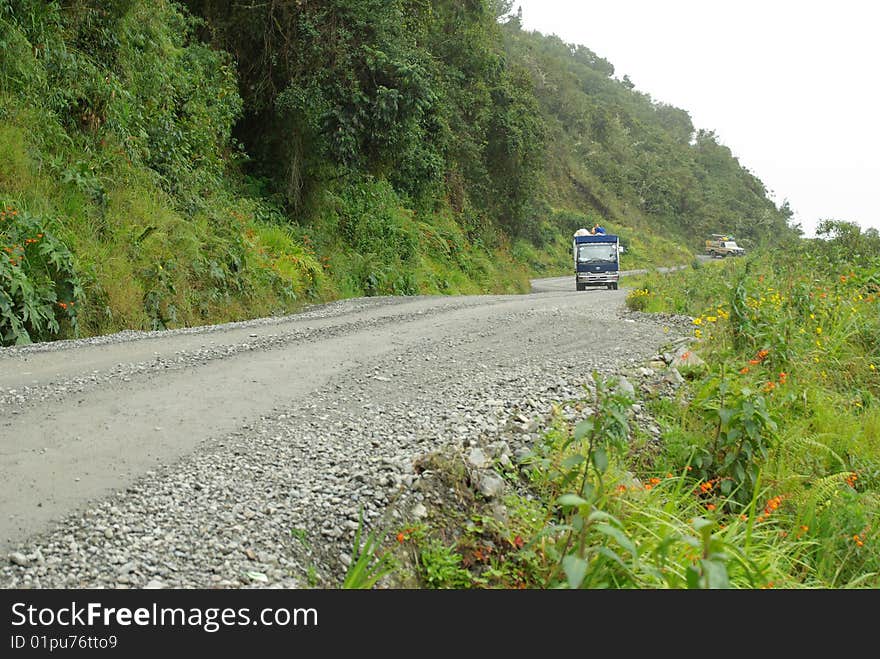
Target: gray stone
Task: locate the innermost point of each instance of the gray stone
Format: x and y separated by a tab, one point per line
17	558
478	459
490	484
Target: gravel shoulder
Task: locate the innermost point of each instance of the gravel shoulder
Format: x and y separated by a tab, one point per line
241	455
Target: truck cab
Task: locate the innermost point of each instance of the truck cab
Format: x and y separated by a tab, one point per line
596	260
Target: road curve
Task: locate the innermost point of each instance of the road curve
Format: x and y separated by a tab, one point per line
183	458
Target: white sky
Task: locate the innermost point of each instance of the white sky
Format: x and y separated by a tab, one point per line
790	87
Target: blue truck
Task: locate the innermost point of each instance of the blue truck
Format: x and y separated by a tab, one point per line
596	260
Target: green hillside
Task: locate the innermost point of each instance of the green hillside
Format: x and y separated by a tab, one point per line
167	164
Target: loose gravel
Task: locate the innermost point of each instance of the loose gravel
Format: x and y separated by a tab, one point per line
277	502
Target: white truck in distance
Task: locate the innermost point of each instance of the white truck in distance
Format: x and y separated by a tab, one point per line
720	245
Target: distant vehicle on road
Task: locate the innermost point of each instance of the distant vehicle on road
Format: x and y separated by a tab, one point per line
596	260
720	245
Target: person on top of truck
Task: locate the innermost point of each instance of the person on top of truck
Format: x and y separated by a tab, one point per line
598	230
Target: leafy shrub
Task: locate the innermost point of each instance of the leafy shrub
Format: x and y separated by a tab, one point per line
39	287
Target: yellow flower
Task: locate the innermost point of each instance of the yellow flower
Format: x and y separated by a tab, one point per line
697	321
711	319
871	366
818	330
698	333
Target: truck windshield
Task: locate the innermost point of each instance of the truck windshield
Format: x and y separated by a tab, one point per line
597	252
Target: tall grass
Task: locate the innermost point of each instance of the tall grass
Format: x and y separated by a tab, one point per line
767	474
799	330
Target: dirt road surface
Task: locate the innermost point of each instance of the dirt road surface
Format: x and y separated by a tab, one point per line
241	455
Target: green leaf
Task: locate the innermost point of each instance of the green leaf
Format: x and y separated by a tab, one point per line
610	553
600	460
587	491
583	428
601	514
571	500
693	578
620	418
575	570
716	574
572	461
618	535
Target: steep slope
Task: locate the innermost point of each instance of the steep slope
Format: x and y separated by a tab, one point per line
166	164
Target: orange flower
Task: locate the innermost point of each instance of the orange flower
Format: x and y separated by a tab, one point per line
707	486
401	537
744	370
710	506
772	505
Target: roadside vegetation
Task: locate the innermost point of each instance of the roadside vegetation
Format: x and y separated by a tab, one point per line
767	472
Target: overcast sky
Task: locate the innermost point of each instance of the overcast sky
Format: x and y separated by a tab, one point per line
790	87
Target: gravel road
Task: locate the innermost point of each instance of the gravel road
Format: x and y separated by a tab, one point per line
240	455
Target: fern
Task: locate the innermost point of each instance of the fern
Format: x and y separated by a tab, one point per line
798	445
823	490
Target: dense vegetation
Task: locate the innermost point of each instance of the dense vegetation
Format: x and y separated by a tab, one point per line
768	472
166	164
